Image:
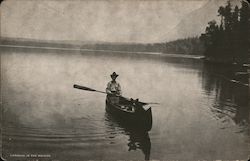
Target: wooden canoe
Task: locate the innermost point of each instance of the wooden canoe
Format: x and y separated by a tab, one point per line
131	112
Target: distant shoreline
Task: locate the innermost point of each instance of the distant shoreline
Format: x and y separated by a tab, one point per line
113	51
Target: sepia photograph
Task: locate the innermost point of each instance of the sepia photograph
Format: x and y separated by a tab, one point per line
125	80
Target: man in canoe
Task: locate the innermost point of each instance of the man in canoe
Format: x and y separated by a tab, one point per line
113	89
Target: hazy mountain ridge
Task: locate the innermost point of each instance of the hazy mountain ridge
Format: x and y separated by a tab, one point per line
196	21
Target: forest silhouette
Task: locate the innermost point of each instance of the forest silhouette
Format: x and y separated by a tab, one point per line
228	41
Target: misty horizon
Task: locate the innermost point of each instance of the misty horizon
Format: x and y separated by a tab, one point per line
106	21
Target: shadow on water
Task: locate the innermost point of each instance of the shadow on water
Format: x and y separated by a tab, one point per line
231	98
138	138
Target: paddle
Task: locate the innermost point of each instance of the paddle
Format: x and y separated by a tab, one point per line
93	90
87	88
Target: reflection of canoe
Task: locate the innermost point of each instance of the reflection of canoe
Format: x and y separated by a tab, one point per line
132	113
138	138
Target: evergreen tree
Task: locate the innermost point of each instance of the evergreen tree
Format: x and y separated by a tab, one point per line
235	32
230	40
244	28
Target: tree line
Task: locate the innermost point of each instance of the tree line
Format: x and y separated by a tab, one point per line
229	40
192	45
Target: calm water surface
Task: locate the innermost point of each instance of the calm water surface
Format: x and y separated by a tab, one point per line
202	115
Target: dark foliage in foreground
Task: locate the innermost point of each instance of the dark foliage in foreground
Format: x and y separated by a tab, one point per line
229	41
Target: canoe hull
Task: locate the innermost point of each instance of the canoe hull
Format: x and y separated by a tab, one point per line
142	119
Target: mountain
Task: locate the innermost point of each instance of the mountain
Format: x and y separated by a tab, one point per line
196	21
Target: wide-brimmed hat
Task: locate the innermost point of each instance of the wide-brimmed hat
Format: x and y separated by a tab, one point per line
114	74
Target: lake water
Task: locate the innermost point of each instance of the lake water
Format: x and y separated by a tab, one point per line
201	115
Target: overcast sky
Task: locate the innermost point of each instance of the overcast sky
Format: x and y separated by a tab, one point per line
110	21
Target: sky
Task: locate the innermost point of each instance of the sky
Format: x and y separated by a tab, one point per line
140	21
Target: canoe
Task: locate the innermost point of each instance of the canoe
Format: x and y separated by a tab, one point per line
131	112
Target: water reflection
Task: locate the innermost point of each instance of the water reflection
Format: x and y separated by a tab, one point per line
231	98
138	138
195	102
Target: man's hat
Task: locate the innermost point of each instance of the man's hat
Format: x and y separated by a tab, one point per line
114	74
